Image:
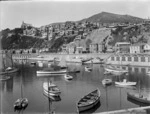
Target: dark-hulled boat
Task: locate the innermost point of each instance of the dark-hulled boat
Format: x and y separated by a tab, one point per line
17	104
85	60
139	98
89	101
24	103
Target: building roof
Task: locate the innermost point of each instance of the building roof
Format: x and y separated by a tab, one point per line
122	42
138	44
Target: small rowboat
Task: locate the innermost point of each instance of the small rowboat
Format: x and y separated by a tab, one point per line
115	71
52	98
125	83
51	89
9	71
107	81
89	101
51	72
21	103
68	77
33	63
4	78
86	60
17	104
24	103
88	69
139	98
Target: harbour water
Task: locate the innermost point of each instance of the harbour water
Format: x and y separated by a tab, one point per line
112	97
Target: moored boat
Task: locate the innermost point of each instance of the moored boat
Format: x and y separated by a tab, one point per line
33	63
86	60
115	70
88	69
51	72
94	61
51	89
4	78
68	77
9	71
52	98
24	103
89	101
107	81
125	83
17	104
138	97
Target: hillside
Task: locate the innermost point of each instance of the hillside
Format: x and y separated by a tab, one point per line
98	35
105	17
63	33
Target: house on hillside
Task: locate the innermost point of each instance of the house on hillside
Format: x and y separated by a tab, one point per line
146	48
137	48
122	47
71	48
93	48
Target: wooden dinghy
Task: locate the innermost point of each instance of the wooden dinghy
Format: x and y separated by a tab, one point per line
89	101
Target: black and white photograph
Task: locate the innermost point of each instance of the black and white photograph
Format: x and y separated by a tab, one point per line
75	57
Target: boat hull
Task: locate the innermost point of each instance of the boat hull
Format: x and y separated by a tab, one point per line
9	72
125	83
52	72
106	81
48	93
53	92
89	106
137	98
81	109
68	77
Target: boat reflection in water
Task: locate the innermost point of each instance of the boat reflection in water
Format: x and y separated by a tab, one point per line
52	98
136	102
92	110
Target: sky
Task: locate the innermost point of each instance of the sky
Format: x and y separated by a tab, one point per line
38	13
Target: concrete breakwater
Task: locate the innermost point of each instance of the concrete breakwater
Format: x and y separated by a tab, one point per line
49	56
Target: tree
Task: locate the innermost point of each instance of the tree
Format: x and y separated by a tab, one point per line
88	42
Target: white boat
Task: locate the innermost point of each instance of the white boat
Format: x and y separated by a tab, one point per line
89	101
148	73
68	77
125	83
51	72
138	97
74	60
107	81
88	69
51	89
115	71
9	70
94	61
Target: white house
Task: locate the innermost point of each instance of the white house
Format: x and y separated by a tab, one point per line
137	48
146	48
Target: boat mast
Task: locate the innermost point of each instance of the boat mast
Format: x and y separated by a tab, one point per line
21	80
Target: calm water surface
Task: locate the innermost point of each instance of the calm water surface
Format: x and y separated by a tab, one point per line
112	97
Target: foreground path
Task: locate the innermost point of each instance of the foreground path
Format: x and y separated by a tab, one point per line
138	110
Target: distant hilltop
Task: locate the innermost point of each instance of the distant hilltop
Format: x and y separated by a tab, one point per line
106	28
105	17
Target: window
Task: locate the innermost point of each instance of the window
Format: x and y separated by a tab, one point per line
118	58
112	58
123	58
142	59
129	58
148	59
136	59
